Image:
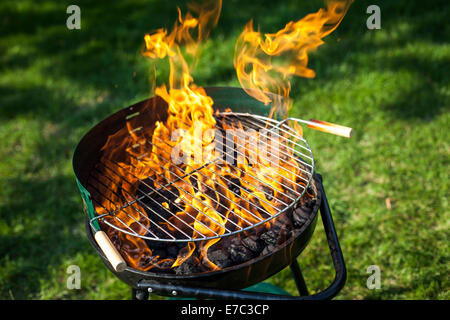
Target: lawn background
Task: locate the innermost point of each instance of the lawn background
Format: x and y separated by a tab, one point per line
390	85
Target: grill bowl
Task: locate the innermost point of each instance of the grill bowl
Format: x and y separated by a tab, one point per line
235	277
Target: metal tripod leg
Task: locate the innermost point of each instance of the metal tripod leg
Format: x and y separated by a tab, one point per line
299	279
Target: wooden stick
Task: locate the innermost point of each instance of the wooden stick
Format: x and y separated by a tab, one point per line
329	127
323	126
111	253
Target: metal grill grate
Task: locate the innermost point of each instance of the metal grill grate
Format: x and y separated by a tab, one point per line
143	210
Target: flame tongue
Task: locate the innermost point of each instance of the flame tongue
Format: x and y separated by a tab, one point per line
188	31
188	104
266	62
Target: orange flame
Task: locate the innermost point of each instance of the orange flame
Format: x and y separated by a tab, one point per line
265	63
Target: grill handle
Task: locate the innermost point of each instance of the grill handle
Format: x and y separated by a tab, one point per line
111	253
324	126
145	286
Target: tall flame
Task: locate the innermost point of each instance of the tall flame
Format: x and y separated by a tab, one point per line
265	63
188	104
188	31
189	107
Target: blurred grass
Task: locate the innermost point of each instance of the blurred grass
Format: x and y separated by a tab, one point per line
390	85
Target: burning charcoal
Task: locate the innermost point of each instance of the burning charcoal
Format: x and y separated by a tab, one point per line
194	182
151	201
300	216
189	266
309	200
290	194
254	244
225	243
240	254
282	227
115	239
311	203
299	221
164	264
234	185
284	234
268	250
146	261
268	192
282	221
221	258
153	208
145	187
270	237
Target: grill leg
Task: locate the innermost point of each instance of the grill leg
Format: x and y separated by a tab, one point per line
139	294
299	280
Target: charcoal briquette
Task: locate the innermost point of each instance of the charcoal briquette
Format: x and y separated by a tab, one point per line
234	185
164	264
270	237
221	258
240	254
253	244
300	216
268	250
189	266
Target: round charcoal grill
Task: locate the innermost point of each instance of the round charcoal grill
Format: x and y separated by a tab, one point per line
96	176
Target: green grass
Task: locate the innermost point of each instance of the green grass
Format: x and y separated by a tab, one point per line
391	85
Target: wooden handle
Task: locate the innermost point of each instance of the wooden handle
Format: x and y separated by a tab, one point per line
111	253
330	128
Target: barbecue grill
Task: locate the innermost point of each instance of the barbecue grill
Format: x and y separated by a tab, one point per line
146	202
